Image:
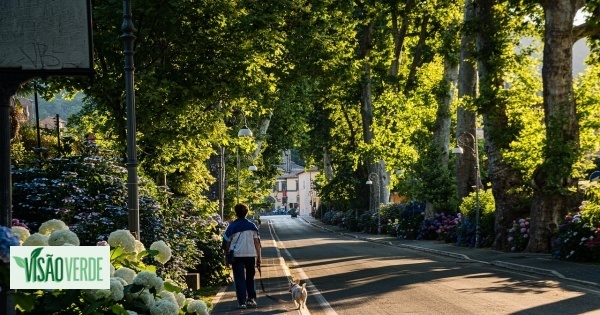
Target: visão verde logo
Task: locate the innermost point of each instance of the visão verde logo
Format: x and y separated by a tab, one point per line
60	267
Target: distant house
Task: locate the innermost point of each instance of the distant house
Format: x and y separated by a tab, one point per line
50	123
294	187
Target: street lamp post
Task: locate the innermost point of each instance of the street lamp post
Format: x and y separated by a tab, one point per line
459	150
132	163
243	133
374	176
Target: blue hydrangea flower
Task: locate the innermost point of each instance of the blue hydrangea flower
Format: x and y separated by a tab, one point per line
7	239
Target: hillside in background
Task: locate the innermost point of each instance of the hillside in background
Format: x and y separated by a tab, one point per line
64	108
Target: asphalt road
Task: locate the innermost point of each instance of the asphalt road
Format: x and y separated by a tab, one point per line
348	276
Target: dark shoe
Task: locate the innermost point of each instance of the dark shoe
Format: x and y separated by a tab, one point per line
242	306
251	303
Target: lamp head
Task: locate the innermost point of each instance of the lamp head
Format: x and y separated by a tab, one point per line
252	168
399	172
245	132
458	150
369	182
595	176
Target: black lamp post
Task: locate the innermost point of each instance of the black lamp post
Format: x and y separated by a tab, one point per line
459	150
374	176
132	163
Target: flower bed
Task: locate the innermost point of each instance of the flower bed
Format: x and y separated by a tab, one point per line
135	287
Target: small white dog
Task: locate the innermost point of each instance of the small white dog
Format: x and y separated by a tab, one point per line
299	294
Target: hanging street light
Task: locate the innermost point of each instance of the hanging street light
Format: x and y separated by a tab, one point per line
244	132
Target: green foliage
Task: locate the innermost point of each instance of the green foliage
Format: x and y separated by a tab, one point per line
590	208
587	89
87	191
487	208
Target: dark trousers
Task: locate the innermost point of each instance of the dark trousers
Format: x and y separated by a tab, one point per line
243	276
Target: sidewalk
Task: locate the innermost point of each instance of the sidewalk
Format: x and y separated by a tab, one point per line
276	278
541	264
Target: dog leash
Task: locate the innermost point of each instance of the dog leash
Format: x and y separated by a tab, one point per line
262	285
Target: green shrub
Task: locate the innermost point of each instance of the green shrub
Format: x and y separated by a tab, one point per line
590	208
487	211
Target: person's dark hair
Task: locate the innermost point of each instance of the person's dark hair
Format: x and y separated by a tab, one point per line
241	210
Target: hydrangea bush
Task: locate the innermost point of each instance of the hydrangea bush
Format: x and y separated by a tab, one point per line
518	235
87	192
576	240
410	220
135	287
441	227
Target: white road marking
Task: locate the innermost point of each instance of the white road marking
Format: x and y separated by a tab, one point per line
309	285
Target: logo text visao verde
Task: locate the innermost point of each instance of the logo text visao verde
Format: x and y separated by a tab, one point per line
49	268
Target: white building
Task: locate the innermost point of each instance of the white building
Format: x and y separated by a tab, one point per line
293	189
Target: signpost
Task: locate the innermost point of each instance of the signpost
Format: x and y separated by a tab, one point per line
38	38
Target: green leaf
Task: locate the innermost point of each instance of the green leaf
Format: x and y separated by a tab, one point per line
118	309
148	268
91	308
20	261
116	253
25	302
135	288
172	288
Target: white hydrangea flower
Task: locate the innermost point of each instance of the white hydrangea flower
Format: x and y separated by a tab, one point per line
123	239
149	280
197	307
180	297
63	237
36	239
139	247
112	270
116	289
169	296
164	252
131	312
52	225
21	232
164	307
123	282
147	298
126	274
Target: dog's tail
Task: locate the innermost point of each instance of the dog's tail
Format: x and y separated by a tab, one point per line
304	285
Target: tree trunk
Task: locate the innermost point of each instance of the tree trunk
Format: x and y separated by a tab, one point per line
262	133
441	133
411	80
399	36
466	120
495	120
384	191
552	180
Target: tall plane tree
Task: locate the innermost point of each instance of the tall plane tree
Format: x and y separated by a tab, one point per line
553	180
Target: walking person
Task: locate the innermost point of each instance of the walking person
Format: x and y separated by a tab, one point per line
244	242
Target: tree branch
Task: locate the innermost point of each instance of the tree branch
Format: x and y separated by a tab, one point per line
584	30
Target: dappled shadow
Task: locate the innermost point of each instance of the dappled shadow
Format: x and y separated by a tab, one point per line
349	269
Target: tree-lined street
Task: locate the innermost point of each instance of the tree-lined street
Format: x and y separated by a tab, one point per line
359	277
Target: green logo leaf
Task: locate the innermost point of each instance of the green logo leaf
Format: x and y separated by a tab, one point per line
20	262
35	253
